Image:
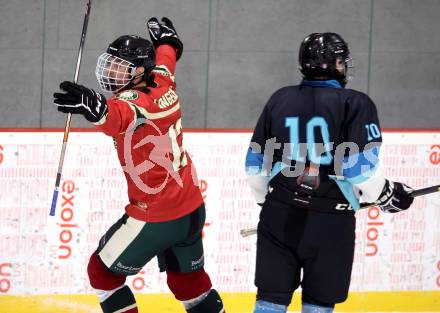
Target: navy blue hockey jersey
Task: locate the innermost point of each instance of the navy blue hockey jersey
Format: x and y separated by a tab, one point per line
322	125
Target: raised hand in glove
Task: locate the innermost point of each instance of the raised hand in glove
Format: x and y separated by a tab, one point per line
81	100
395	197
164	33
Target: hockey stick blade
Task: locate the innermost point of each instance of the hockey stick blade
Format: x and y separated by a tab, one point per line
69	116
416	193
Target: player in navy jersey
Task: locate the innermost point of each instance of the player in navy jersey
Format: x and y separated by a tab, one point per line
313	160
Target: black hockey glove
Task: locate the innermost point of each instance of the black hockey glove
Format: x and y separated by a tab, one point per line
81	100
164	33
395	197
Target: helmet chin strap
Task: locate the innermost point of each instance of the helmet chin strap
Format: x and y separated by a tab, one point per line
149	79
149	76
131	83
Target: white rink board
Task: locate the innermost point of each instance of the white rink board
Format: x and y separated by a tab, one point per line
48	255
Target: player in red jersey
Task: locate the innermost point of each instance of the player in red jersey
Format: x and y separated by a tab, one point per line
166	213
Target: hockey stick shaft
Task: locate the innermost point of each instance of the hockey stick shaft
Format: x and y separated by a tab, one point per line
415	193
69	115
425	191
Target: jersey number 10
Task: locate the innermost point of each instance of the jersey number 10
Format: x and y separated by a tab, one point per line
317	122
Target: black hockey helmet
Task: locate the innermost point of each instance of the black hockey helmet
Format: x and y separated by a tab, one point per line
122	58
318	54
134	49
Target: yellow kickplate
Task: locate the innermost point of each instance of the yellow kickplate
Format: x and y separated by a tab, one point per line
401	301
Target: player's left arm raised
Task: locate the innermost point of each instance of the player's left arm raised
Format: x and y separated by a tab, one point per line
166	41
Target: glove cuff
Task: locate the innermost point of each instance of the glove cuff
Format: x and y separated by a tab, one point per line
101	105
176	43
387	193
102	120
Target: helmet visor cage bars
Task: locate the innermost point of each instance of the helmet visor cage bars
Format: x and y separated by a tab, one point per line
349	68
113	73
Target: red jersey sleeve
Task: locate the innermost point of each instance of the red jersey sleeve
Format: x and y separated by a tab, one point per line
166	55
120	115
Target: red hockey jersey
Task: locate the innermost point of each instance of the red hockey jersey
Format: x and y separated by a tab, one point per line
147	131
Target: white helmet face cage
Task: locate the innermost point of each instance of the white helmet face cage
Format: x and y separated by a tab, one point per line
113	73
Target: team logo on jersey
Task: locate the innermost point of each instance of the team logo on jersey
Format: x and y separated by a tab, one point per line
128	95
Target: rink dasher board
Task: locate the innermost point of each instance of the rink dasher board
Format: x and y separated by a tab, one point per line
44	255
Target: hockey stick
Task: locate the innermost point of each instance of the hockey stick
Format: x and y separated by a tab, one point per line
416	193
69	115
425	191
